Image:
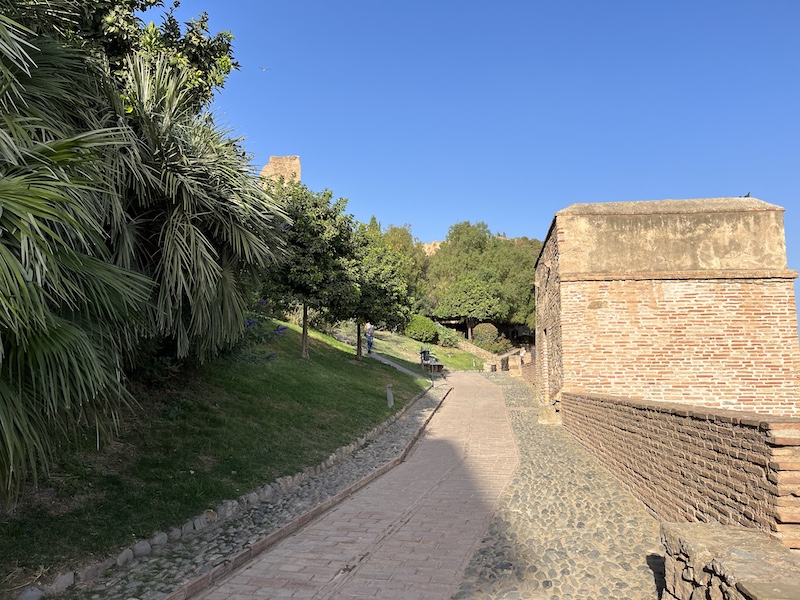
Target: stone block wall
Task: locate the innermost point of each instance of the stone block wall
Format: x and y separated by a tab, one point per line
287	167
708	560
721	343
696	464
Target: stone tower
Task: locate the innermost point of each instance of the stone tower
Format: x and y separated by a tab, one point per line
287	167
683	301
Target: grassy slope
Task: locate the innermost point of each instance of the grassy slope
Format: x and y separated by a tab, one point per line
214	433
406	352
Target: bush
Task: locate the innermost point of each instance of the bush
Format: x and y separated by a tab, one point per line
487	337
484	333
422	329
447	337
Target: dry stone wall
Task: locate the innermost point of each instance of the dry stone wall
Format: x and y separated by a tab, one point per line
697	464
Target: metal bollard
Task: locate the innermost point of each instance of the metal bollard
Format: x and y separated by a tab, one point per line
389	396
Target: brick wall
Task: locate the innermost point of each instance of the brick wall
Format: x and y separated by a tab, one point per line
696	464
723	343
549	371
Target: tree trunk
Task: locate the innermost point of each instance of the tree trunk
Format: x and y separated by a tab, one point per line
470	324
304	344
358	340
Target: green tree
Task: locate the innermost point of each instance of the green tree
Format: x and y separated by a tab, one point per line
461	252
413	261
381	293
473	300
193	214
113	186
112	31
319	270
511	263
67	315
505	265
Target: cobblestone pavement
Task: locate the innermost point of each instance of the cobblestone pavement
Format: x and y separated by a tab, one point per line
565	529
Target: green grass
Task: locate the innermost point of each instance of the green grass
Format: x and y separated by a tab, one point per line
213	433
406	352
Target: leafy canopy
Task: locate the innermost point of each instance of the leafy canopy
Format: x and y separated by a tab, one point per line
319	269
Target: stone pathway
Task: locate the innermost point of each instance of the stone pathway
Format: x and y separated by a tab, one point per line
180	563
565	529
409	534
489	504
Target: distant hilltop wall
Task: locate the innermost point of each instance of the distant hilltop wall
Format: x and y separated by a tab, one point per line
430	249
287	167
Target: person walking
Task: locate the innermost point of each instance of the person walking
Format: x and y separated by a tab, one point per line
370	332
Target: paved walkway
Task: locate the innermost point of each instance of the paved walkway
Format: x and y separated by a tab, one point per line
409	534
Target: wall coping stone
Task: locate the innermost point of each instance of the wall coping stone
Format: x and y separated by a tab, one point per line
757	566
769	423
682	275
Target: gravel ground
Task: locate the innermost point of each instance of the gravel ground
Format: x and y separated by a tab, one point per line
565	529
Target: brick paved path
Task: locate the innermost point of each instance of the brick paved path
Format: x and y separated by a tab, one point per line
410	533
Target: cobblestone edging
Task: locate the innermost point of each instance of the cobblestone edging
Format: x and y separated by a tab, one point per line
188	558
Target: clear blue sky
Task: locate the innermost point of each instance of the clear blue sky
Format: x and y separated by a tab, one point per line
440	111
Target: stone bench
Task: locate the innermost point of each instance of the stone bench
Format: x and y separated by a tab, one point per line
716	562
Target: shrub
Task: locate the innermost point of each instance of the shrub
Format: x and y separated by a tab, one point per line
447	337
487	337
422	329
484	333
500	345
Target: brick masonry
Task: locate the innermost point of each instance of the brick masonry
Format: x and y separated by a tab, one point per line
697	464
549	372
726	343
685	301
667	340
528	371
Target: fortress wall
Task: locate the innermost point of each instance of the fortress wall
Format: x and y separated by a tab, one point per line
549	366
695	464
528	371
287	167
687	301
721	343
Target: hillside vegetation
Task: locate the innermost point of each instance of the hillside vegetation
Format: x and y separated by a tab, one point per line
211	433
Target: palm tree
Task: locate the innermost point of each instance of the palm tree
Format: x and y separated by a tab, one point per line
198	219
124	214
67	315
